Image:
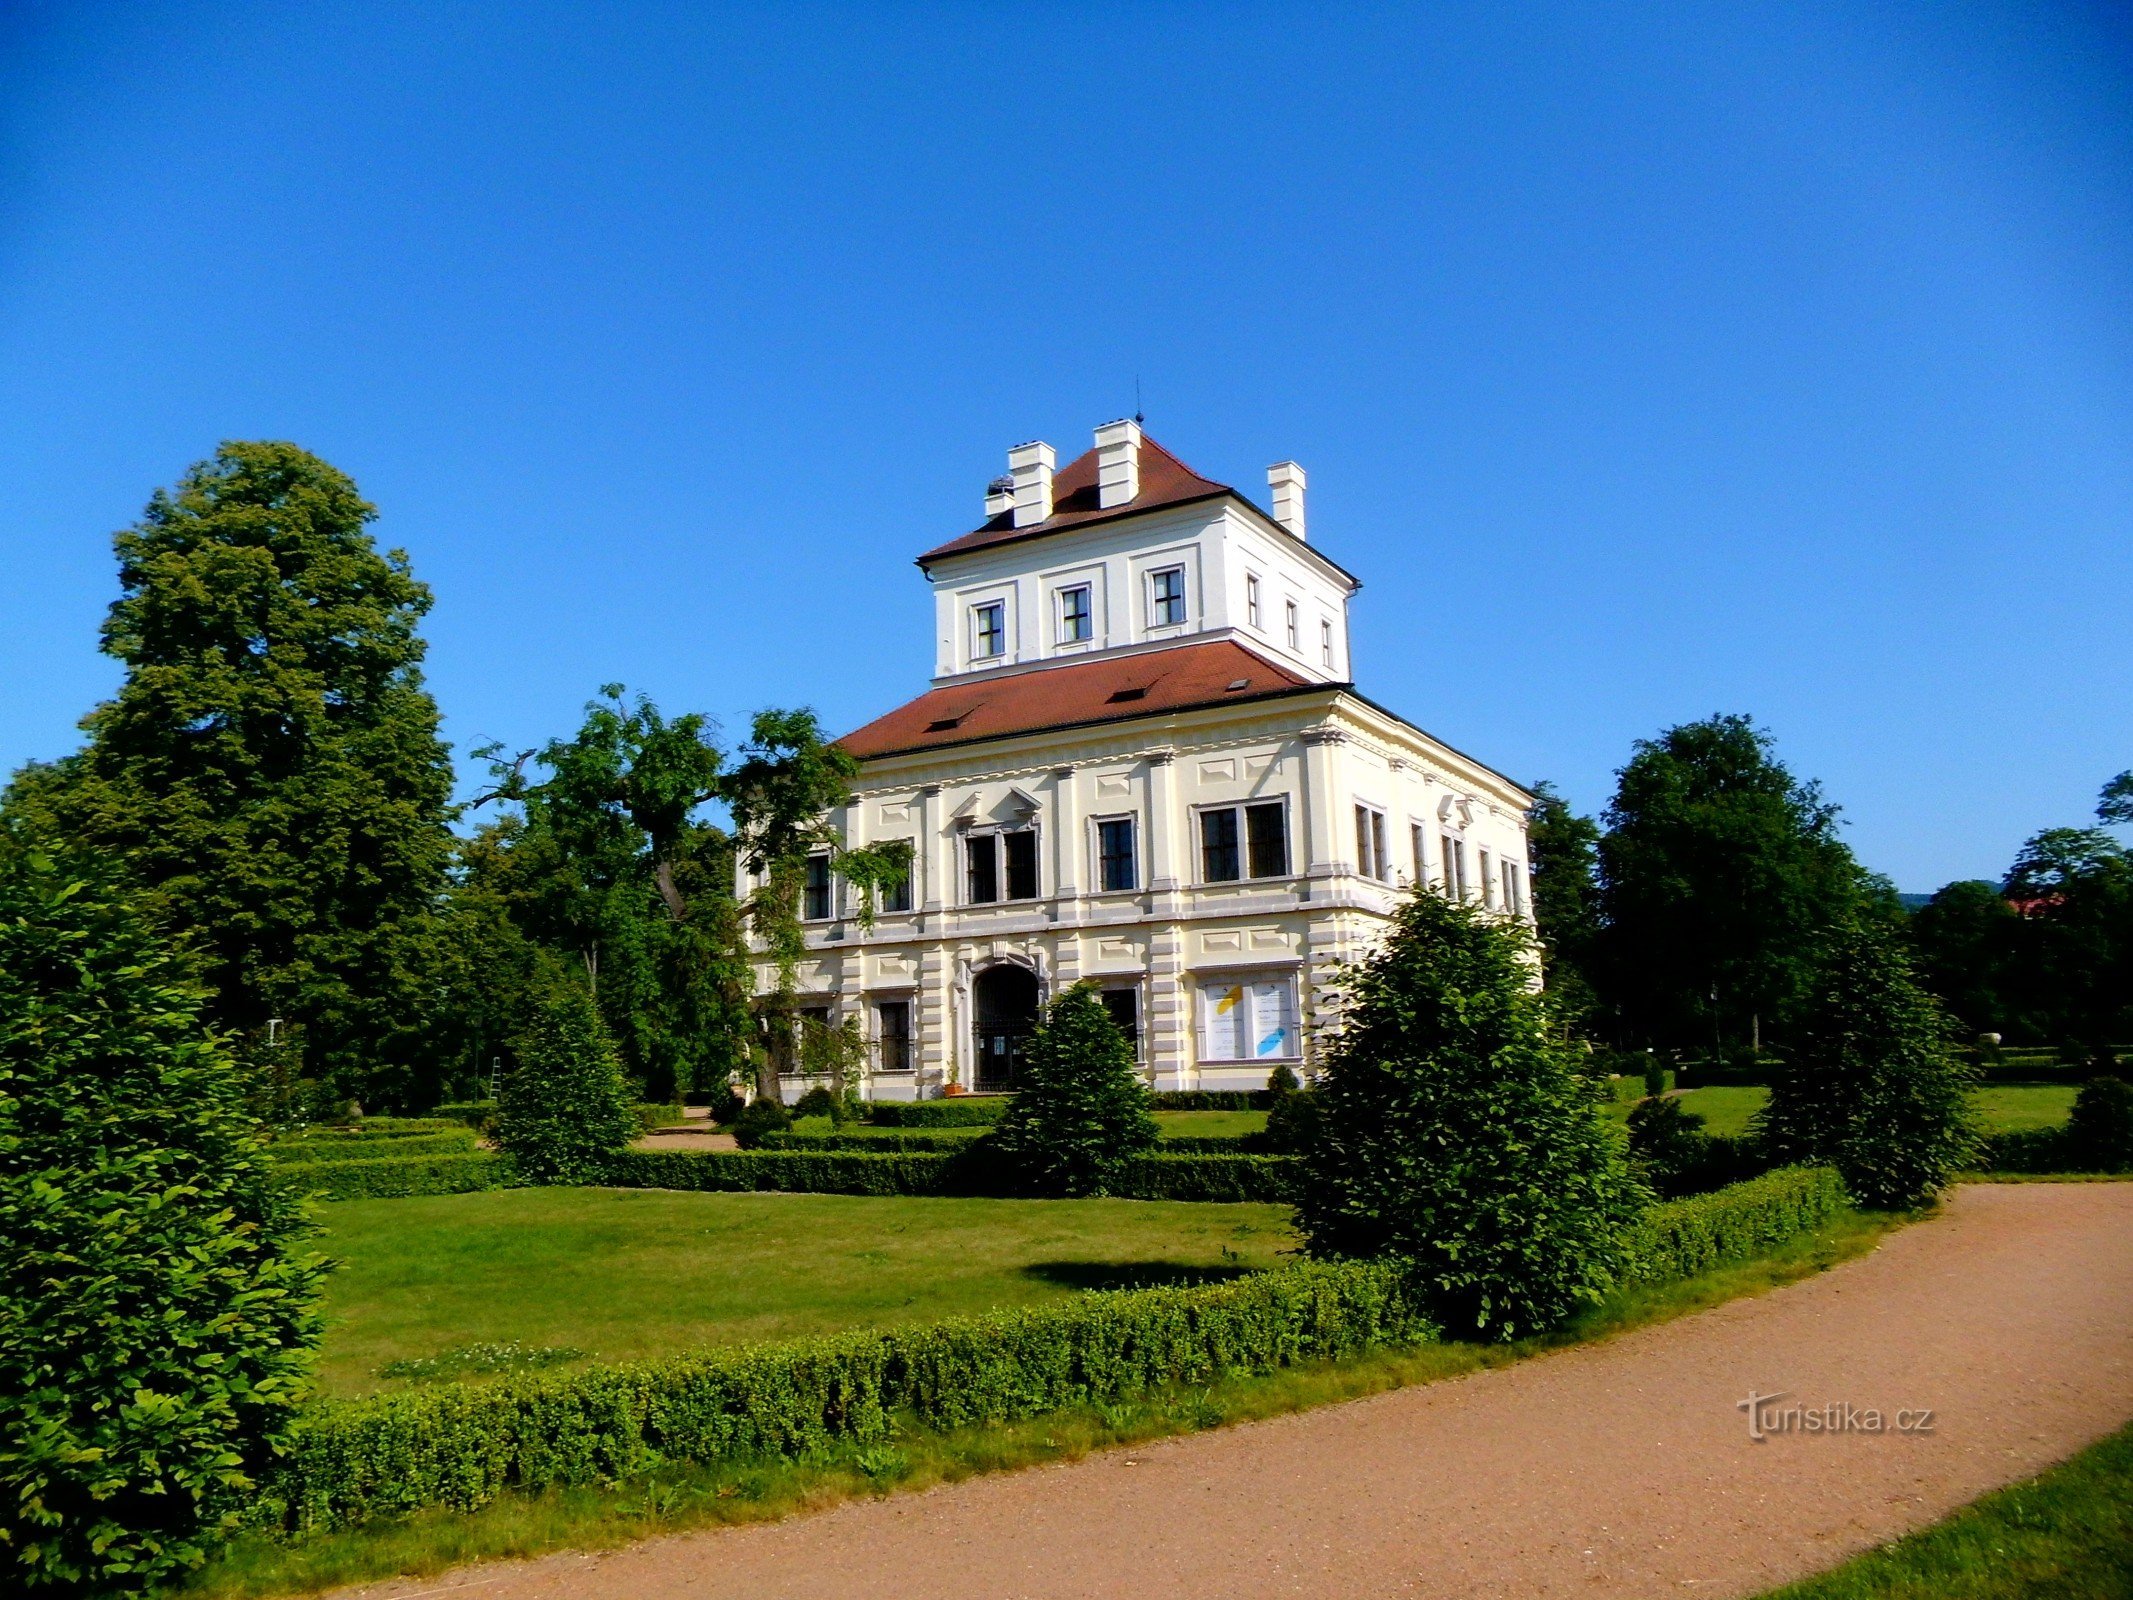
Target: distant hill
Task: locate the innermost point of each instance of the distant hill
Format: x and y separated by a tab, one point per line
1911	902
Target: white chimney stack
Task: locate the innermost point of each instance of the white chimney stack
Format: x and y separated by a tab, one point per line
1030	466
999	497
1118	464
1286	481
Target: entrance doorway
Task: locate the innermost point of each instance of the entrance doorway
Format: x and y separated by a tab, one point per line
1005	1000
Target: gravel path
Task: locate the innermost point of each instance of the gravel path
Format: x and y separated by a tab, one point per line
1618	1469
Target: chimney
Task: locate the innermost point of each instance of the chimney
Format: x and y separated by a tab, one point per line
1030	466
999	497
1286	480
1118	464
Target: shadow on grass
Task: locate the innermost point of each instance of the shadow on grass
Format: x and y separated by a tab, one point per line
1130	1274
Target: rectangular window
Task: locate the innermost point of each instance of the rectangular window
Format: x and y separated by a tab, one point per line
1251	598
1021	847
1454	866
989	630
1166	603
1218	846
1488	883
1262	828
1248	1021
894	1018
984	874
1421	876
897	896
1115	866
1075	619
1289	620
816	899
1325	642
1514	889
1125	1008
1372	859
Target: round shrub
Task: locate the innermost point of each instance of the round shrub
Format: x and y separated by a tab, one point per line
757	1118
1080	1111
157	1301
820	1101
566	1107
1283	1080
2099	1134
1666	1142
1457	1133
1291	1122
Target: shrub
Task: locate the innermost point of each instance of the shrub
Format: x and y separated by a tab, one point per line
2099	1133
1458	1133
724	1102
1666	1141
1292	1122
396	1177
1211	1100
565	1108
657	1114
157	1312
285	1151
1080	1109
1684	1237
1282	1080
965	1111
480	1115
939	1141
1230	1178
1871	1086
759	1118
787	1172
820	1101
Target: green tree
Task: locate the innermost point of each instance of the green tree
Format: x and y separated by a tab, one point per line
1964	938
1870	1085
2074	889
566	1108
270	771
157	1317
1563	849
1080	1109
1719	873
1456	1131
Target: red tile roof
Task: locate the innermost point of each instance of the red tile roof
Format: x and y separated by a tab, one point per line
1165	481
1073	694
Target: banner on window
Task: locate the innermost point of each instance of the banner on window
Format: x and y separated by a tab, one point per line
1247	1021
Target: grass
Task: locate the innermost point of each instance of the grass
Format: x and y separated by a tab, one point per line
1727	1108
683	1497
619	1274
1227	1124
2068	1533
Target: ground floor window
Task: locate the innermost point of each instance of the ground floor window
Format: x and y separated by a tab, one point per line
1125	1008
1248	1020
894	1018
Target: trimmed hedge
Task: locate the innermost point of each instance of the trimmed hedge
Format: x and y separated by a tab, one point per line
939	1141
396	1177
1164	1176
480	1115
1216	1144
656	1114
1212	1100
462	1445
298	1152
969	1171
1681	1238
958	1111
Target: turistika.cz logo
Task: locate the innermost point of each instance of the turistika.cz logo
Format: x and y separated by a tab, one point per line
1767	1417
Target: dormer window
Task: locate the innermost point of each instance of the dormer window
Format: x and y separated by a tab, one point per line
1076	622
988	625
1166	598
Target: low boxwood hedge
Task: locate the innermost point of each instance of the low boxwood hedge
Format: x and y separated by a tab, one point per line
968	1171
479	1115
1212	1100
340	1147
657	1114
881	1141
1168	1176
957	1111
396	1177
1680	1238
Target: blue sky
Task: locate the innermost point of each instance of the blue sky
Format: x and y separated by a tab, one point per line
1645	364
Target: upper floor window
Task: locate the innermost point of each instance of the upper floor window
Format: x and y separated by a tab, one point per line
1371	858
1166	597
1421	876
988	630
897	896
1076	620
1289	619
1249	841
1116	867
1514	889
816	895
1488	883
1251	598
1325	642
1001	866
1454	866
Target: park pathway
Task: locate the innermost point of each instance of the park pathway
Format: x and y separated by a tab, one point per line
1617	1469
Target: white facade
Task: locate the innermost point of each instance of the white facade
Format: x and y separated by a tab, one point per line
1209	865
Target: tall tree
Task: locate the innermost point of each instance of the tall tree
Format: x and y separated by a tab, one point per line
1964	940
1719	874
2074	889
1563	848
270	771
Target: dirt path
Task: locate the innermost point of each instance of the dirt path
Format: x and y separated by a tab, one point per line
1621	1469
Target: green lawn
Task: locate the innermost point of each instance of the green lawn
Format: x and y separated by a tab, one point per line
1204	1124
623	1274
1726	1109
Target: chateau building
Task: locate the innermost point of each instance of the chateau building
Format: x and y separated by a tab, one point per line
1144	763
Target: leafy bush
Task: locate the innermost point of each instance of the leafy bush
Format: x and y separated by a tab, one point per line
1282	1080
480	1115
1081	1109
965	1111
1163	1176
157	1315
396	1177
820	1101
460	1446
658	1114
1871	1086
1684	1237
399	1147
1211	1100
759	1119
724	1102
1292	1122
566	1107
387	1128
786	1172
941	1141
1666	1141
2099	1133
1458	1133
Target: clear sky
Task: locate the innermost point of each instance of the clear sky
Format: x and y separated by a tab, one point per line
1645	364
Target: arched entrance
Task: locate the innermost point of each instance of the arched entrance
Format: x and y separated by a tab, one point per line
1005	1001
